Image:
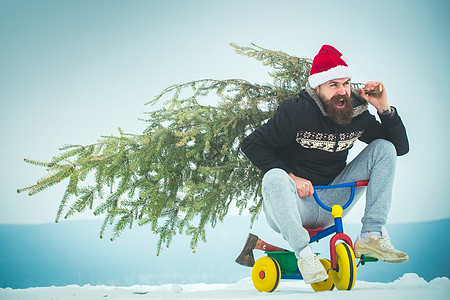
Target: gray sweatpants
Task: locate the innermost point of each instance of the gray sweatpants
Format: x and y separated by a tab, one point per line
288	214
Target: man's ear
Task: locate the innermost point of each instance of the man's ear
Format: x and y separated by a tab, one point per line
316	89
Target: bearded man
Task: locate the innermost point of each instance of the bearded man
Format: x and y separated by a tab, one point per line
306	143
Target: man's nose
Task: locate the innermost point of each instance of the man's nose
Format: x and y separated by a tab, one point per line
341	90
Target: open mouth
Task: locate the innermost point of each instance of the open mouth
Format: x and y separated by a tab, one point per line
340	103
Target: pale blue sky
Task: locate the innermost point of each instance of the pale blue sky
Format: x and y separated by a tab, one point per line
72	71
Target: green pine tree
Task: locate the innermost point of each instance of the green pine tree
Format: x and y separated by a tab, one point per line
185	170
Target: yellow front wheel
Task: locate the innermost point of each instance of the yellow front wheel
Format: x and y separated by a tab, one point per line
326	285
344	276
266	274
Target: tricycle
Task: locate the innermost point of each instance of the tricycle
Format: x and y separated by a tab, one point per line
280	263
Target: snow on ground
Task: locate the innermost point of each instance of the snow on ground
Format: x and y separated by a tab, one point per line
409	286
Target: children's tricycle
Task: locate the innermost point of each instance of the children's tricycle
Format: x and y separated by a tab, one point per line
282	264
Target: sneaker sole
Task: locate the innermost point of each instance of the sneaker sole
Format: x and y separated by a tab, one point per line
317	279
381	257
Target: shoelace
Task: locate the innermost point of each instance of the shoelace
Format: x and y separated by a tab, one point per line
311	262
385	242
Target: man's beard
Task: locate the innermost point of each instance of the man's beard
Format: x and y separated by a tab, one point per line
341	115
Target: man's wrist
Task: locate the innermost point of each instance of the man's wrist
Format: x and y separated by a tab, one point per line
387	112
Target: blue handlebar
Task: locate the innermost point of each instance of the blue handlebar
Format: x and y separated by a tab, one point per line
342	185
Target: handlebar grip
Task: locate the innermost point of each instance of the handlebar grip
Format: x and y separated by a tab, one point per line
362	183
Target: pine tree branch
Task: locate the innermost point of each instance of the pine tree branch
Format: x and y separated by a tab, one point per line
185	170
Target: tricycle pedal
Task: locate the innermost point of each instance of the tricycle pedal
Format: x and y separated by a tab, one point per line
365	259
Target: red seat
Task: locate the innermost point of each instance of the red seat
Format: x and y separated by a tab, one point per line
313	232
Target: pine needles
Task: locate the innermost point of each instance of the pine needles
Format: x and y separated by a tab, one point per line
185	170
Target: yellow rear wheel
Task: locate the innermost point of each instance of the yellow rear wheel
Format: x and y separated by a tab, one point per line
326	285
344	276
266	274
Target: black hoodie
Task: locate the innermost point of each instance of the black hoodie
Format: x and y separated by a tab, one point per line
301	139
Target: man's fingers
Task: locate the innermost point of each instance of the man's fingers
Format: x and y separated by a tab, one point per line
304	186
311	190
370	85
300	192
305	190
364	95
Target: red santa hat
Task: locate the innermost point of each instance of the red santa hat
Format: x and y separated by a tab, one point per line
327	65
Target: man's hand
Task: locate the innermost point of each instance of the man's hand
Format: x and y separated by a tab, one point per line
378	101
304	186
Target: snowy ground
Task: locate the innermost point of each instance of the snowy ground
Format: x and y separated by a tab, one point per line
409	286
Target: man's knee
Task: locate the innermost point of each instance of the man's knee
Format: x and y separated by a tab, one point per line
274	175
276	178
384	147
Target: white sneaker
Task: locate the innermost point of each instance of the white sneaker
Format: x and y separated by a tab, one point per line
380	248
311	268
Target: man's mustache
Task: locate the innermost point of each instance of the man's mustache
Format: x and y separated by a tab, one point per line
337	98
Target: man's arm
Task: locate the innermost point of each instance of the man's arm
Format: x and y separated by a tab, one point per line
392	128
379	101
260	146
279	131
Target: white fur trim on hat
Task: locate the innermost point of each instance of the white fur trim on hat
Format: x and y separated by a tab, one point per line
330	74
